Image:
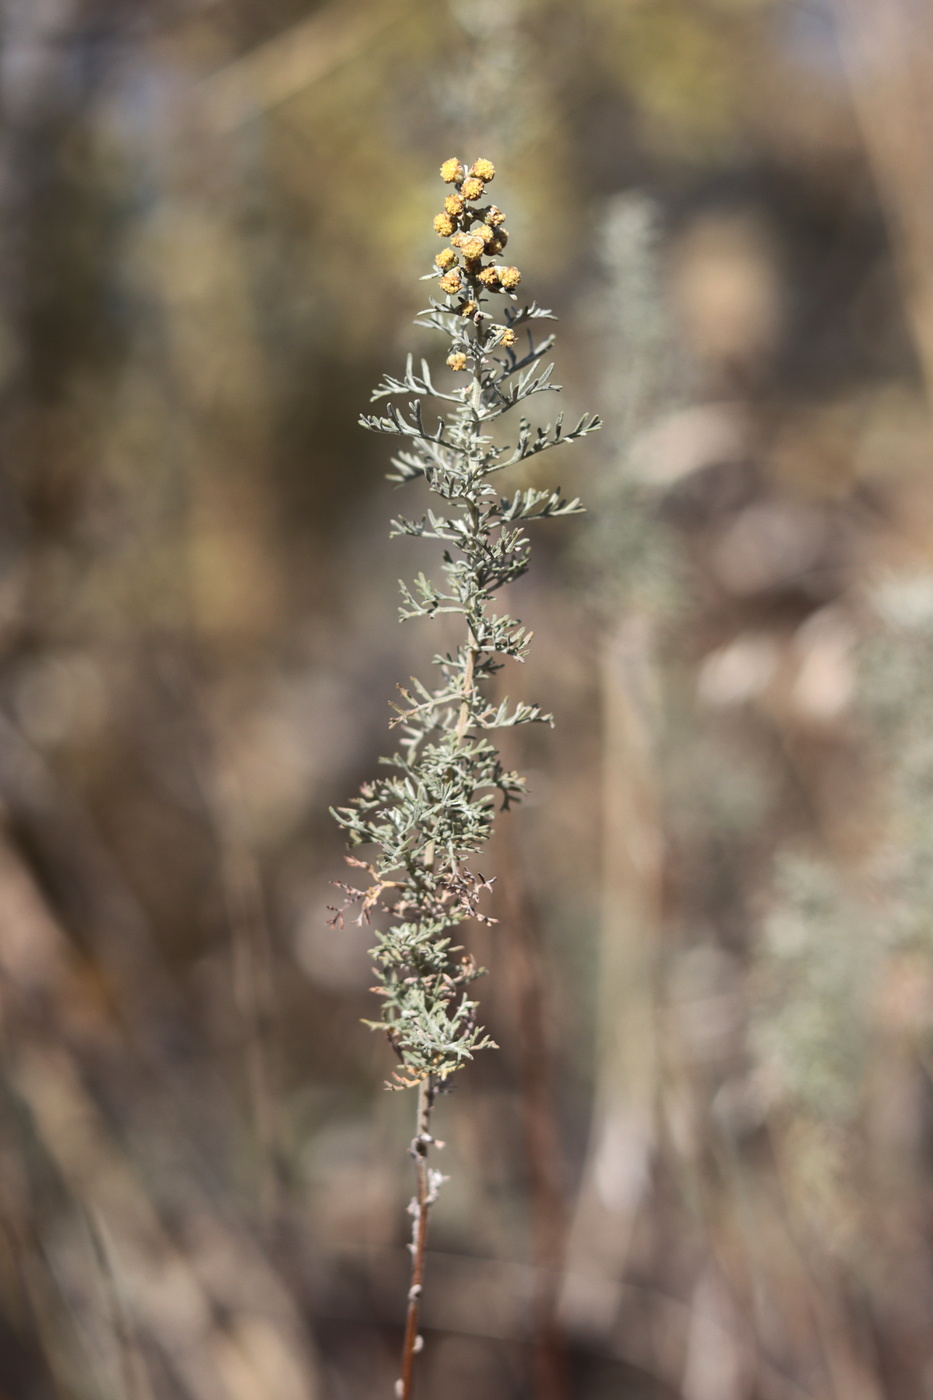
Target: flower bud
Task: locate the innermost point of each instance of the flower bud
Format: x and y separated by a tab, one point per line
450	283
446	258
472	188
443	225
457	360
451	171
483	169
509	277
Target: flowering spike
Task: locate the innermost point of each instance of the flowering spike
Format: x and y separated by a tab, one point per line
427	819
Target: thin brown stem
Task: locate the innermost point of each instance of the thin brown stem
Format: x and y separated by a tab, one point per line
469	682
428	1181
468	688
420	1207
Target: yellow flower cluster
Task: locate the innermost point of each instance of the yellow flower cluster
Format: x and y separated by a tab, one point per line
452	172
457	360
473	232
469	245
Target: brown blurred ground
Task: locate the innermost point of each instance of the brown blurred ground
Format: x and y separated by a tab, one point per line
700	1164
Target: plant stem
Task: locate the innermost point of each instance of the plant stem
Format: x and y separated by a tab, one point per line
427	1093
468	688
421	1205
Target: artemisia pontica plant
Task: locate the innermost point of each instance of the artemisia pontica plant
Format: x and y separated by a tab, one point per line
427	819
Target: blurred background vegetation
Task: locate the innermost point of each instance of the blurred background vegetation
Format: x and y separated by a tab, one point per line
700	1164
